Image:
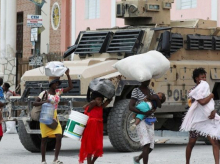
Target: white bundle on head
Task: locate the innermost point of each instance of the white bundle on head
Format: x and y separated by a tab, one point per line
55	69
143	67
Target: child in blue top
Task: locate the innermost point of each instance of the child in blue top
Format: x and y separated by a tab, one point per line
145	106
1	90
1	106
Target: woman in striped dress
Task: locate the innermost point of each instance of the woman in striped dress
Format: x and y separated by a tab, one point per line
145	132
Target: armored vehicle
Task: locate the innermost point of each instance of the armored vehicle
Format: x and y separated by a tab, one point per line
188	44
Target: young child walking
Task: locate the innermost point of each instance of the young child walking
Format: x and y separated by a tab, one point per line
92	138
1	131
1	107
145	106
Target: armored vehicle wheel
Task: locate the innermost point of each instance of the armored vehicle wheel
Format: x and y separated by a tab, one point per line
217	107
118	125
32	142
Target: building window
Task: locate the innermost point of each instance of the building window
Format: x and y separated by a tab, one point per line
186	4
92	9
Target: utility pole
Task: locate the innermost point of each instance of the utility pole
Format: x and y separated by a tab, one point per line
37	44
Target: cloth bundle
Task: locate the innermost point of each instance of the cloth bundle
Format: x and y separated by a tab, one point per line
197	119
55	69
143	67
103	86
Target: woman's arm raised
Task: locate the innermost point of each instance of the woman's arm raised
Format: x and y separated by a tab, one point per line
70	84
105	104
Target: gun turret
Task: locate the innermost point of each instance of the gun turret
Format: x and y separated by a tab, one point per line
144	12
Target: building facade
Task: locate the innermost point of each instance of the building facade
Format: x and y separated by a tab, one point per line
64	19
192	9
101	14
15	42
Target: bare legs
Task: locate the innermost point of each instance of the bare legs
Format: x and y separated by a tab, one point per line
215	148
43	148
91	160
145	153
191	144
57	147
189	148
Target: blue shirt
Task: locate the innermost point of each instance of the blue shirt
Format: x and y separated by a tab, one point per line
1	93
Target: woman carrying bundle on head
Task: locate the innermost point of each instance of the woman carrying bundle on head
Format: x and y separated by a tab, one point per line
92	138
53	97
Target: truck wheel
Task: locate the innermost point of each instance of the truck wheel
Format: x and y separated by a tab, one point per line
32	142
118	125
217	107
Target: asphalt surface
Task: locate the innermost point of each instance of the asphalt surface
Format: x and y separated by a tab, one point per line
172	152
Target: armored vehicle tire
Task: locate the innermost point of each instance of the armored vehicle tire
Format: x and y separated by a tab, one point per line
217	107
32	142
118	125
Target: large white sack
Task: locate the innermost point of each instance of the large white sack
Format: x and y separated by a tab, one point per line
55	68
143	67
11	127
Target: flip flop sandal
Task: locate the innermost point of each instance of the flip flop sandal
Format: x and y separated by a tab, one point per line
132	127
132	121
135	161
57	162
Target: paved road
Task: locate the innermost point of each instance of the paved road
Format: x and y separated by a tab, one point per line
12	152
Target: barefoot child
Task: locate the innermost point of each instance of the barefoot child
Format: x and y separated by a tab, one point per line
92	138
147	105
1	91
1	131
2	100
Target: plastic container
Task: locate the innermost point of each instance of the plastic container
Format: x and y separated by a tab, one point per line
75	125
47	113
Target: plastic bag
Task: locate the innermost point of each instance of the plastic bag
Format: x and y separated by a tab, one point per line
55	68
150	120
143	67
11	127
103	86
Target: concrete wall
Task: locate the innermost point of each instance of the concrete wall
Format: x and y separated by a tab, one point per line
66	25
